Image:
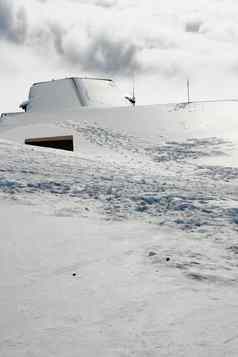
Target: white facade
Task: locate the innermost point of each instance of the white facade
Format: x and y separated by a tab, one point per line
73	93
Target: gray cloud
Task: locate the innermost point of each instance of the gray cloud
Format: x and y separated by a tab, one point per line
13	24
107	56
91	49
110	56
100	3
57	33
193	26
101	54
106	3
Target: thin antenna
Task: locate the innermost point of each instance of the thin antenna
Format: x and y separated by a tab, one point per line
188	89
133	92
132	99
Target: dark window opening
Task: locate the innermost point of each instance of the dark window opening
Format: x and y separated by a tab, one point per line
55	142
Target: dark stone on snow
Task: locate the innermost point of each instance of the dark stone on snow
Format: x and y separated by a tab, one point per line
152	254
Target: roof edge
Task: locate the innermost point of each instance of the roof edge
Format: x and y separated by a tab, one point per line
60	79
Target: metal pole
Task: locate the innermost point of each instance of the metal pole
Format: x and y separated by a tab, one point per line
188	88
133	94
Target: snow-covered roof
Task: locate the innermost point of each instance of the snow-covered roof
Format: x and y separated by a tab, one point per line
72	93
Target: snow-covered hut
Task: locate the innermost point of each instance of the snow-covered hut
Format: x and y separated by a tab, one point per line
54	101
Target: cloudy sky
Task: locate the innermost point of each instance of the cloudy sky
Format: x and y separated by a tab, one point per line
163	42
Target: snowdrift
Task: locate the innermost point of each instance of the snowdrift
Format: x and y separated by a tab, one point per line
155	124
127	246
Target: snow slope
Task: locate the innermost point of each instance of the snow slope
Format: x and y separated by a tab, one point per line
145	214
121	302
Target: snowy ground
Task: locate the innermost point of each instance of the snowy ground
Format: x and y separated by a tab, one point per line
148	226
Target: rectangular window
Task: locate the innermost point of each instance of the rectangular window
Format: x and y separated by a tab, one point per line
55	142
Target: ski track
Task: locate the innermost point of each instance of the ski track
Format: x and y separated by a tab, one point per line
161	184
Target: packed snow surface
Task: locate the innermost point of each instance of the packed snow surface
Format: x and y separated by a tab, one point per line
127	246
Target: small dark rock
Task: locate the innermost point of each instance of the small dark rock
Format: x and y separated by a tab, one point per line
167	259
152	254
234	249
74	274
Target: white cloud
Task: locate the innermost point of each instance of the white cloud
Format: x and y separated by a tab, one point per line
164	42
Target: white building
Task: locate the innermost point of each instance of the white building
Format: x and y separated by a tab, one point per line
59	98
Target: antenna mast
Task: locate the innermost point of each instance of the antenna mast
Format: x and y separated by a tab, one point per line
133	101
188	90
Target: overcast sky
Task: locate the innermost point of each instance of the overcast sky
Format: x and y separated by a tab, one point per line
163	42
